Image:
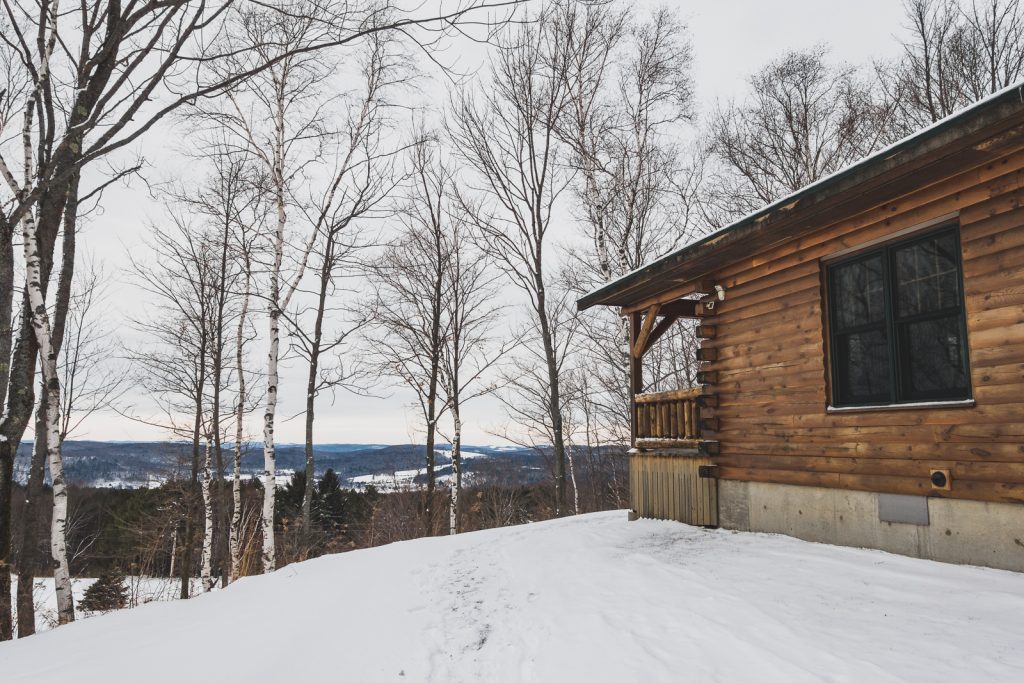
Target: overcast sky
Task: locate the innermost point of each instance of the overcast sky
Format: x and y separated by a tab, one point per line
731	38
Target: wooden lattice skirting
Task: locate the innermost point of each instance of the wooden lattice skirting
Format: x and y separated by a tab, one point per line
665	486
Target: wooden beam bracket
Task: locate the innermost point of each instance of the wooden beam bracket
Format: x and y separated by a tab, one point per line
659	329
640	345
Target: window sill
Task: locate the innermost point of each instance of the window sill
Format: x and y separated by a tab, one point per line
922	405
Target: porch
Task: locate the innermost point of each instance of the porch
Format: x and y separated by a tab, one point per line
671	464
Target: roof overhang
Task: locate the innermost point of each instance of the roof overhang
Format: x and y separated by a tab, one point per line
968	138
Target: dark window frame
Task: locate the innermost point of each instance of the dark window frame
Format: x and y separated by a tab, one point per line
899	362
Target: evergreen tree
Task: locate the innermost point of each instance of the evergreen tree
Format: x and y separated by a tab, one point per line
330	498
108	593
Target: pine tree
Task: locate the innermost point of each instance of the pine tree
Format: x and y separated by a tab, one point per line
108	593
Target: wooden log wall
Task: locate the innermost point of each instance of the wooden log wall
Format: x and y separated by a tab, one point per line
670	487
768	357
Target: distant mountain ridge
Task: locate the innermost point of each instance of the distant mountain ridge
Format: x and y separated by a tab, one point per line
133	464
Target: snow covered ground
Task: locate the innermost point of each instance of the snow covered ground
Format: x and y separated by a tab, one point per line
141	590
592	598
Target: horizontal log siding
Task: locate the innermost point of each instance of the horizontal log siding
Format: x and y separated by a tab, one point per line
773	424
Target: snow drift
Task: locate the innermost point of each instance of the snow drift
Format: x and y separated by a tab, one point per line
591	598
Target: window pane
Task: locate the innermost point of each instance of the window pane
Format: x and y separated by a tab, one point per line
864	367
926	276
933	363
858	293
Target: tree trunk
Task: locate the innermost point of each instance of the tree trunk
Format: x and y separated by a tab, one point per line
312	379
572	477
29	557
207	557
456	485
311	386
219	546
435	370
307	494
236	472
554	397
48	361
174	552
189	537
269	456
37	469
7	450
274	322
20	397
428	521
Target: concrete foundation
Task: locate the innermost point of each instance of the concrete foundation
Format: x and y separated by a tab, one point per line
958	531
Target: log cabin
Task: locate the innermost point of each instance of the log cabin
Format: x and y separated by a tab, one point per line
861	355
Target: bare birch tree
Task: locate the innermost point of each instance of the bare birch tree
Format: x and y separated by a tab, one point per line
957	53
175	368
471	353
804	119
505	131
632	103
405	322
229	205
363	177
206	563
241	339
276	119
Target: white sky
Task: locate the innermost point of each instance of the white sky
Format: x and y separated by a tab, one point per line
731	39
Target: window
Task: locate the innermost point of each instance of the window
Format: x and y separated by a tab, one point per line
896	318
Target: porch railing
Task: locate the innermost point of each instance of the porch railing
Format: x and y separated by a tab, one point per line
668	416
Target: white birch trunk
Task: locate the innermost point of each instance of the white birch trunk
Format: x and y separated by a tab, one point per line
235	536
572	478
47	350
456	486
278	302
207	558
269	455
274	318
174	552
48	362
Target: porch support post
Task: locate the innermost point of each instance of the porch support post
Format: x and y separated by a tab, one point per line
636	380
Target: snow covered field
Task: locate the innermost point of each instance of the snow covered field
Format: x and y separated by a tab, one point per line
405	480
141	590
592	598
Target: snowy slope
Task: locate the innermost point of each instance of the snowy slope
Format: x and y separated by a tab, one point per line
593	598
